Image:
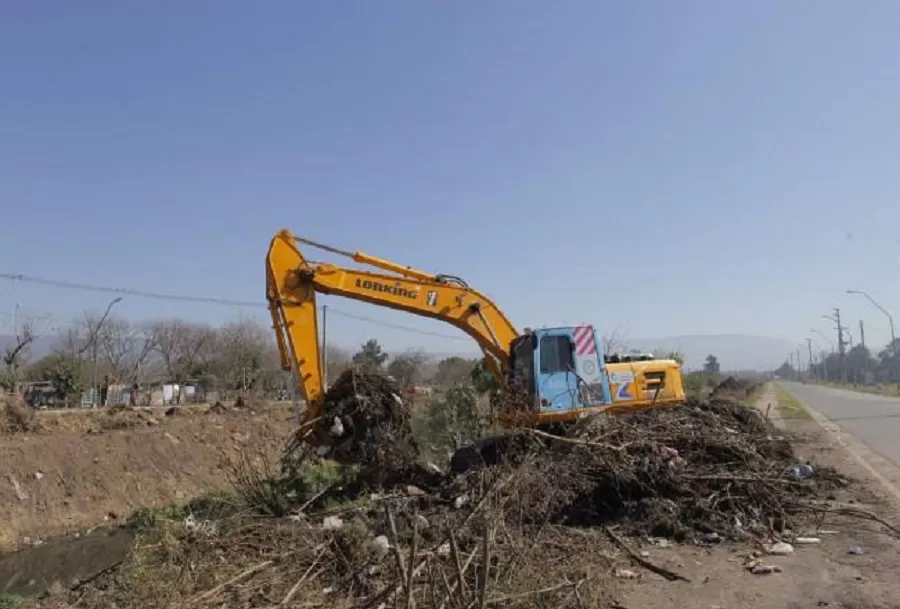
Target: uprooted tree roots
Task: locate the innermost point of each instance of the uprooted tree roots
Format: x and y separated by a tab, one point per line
531	531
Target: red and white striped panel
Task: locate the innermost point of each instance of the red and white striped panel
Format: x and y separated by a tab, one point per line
584	340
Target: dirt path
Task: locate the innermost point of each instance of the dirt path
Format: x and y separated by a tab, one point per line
829	574
768	405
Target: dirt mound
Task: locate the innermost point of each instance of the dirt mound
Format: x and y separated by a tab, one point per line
15	415
218	408
125	417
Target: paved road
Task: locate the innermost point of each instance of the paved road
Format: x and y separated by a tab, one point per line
871	419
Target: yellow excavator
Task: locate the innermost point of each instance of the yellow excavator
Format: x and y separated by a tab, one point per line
559	373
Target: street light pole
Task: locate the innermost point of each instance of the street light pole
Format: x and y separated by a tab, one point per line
809	348
94	336
883	310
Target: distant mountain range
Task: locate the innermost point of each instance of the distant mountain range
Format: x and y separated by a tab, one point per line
734	351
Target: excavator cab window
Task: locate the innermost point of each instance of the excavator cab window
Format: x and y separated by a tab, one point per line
556	354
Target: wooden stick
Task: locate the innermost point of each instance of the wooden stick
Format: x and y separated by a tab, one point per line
395	543
512	597
579	441
240	576
669	575
388	592
306	573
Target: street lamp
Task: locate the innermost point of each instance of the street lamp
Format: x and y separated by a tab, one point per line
880	308
94	336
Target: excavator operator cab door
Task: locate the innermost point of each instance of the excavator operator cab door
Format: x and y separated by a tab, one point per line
568	372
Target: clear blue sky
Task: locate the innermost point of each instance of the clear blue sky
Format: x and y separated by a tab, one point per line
657	167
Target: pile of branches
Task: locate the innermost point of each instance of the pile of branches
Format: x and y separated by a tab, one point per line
366	425
394	550
734	388
542	529
710	466
707	467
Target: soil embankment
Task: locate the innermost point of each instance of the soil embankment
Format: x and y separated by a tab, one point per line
67	472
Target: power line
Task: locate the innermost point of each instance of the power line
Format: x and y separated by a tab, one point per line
72	285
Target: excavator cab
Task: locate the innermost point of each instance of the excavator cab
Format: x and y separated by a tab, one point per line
564	374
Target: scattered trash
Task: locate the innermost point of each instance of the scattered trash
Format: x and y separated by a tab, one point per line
382	544
627	574
712	537
803	470
807	540
779	549
855	550
332	523
759	569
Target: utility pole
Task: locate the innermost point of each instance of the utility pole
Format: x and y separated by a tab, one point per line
325	346
836	318
799	365
840	331
809	348
862	334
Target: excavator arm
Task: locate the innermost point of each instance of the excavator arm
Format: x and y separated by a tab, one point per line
292	282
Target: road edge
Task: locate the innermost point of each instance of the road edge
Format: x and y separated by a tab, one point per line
880	468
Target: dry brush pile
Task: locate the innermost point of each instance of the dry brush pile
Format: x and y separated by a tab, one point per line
542	528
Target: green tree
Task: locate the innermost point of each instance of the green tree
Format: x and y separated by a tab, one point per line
407	368
711	365
68	374
453	370
453	421
371	356
482	379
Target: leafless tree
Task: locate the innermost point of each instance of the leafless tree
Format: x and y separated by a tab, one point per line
338	360
16	354
613	342
125	348
246	353
182	347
